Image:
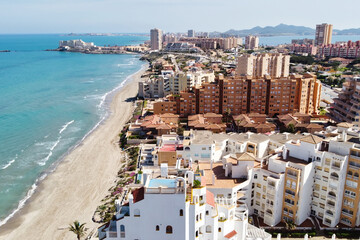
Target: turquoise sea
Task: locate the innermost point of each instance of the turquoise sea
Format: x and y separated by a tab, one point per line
49	101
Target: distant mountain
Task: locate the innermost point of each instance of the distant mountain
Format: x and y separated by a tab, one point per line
285	30
281	29
351	31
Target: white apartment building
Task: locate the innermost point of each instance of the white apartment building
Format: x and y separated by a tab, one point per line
78	44
194	213
312	176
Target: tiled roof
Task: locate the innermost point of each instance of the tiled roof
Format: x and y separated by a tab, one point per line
210	198
138	194
231	234
312	139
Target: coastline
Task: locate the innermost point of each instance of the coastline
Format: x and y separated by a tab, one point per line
74	188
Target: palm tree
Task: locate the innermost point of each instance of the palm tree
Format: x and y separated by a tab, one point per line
78	229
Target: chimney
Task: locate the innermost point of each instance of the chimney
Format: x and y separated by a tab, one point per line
248	134
286	136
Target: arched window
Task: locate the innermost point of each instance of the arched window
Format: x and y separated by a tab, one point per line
197	217
219	229
350	173
157	228
329	212
334	175
332	194
208	229
207	212
136	213
356	175
169	229
197	234
122	231
181	212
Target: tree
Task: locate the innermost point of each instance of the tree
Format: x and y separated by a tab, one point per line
290	225
78	229
291	128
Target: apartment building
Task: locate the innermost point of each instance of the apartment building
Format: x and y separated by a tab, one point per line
156	39
305	41
345	50
194	212
346	107
213	43
275	65
284	177
251	42
191	33
323	34
241	95
303	48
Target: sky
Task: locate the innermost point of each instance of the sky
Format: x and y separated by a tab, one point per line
138	16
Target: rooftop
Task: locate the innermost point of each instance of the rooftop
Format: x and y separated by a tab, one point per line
220	181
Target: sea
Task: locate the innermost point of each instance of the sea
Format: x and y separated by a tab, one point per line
50	101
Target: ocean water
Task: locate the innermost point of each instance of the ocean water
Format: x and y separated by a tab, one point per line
49	101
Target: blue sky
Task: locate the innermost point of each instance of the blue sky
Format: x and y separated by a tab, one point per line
55	16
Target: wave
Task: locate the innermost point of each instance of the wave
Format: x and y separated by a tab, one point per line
24	200
104	97
56	163
65	126
8	164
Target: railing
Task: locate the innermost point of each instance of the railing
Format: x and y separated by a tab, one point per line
332	197
335	167
292	176
347	214
334	178
112	234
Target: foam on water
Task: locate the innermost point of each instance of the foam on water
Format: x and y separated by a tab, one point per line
55	88
8	164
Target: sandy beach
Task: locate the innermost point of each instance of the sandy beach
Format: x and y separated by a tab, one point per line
74	190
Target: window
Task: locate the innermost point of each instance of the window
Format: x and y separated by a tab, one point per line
169	229
181	212
136	213
122	231
207	213
219	229
208	229
157	228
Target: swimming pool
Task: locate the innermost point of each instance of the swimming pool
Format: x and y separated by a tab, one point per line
169	183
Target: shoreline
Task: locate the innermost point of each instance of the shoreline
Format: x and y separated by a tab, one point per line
99	142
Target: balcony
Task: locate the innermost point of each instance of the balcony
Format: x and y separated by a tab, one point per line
291	176
347	214
334	178
331	197
337	168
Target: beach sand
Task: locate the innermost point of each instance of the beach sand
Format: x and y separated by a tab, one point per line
75	189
